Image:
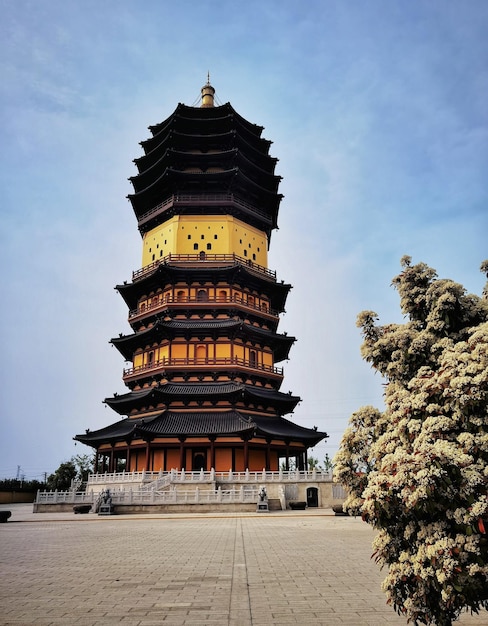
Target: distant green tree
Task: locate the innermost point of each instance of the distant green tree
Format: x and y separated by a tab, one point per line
84	465
77	468
62	478
15	483
313	463
328	465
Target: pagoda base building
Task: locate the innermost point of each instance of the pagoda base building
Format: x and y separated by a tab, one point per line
204	381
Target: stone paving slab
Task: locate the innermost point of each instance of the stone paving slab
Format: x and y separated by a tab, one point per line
283	568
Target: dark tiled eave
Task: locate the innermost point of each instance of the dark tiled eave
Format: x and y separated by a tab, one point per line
127	344
204	424
282	428
170	424
184	114
172	181
233	273
230	391
124	403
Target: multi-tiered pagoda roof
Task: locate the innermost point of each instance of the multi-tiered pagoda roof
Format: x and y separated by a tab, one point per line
204	342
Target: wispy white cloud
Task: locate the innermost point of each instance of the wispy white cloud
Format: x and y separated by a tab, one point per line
378	116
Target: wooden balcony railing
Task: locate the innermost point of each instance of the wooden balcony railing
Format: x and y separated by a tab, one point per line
203	259
218	301
196	363
204	199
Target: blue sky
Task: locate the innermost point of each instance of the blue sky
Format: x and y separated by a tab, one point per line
377	112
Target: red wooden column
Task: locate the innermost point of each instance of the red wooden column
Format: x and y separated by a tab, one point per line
148	455
268	449
182	453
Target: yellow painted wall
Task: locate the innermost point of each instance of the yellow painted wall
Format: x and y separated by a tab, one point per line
178	350
213	234
200	351
222	350
159	241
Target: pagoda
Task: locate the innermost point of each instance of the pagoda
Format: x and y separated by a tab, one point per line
204	349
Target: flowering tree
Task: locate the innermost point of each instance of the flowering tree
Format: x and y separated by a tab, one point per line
418	472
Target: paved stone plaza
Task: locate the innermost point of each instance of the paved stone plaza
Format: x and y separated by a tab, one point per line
305	567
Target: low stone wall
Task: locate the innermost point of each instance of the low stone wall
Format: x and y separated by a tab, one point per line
297	491
190	494
201	507
130	509
17	496
65	507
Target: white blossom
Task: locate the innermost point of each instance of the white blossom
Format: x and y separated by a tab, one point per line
418	472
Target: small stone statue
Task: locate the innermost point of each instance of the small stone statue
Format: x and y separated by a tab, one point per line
262	494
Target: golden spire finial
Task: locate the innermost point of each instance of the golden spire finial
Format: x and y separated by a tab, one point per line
207	94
